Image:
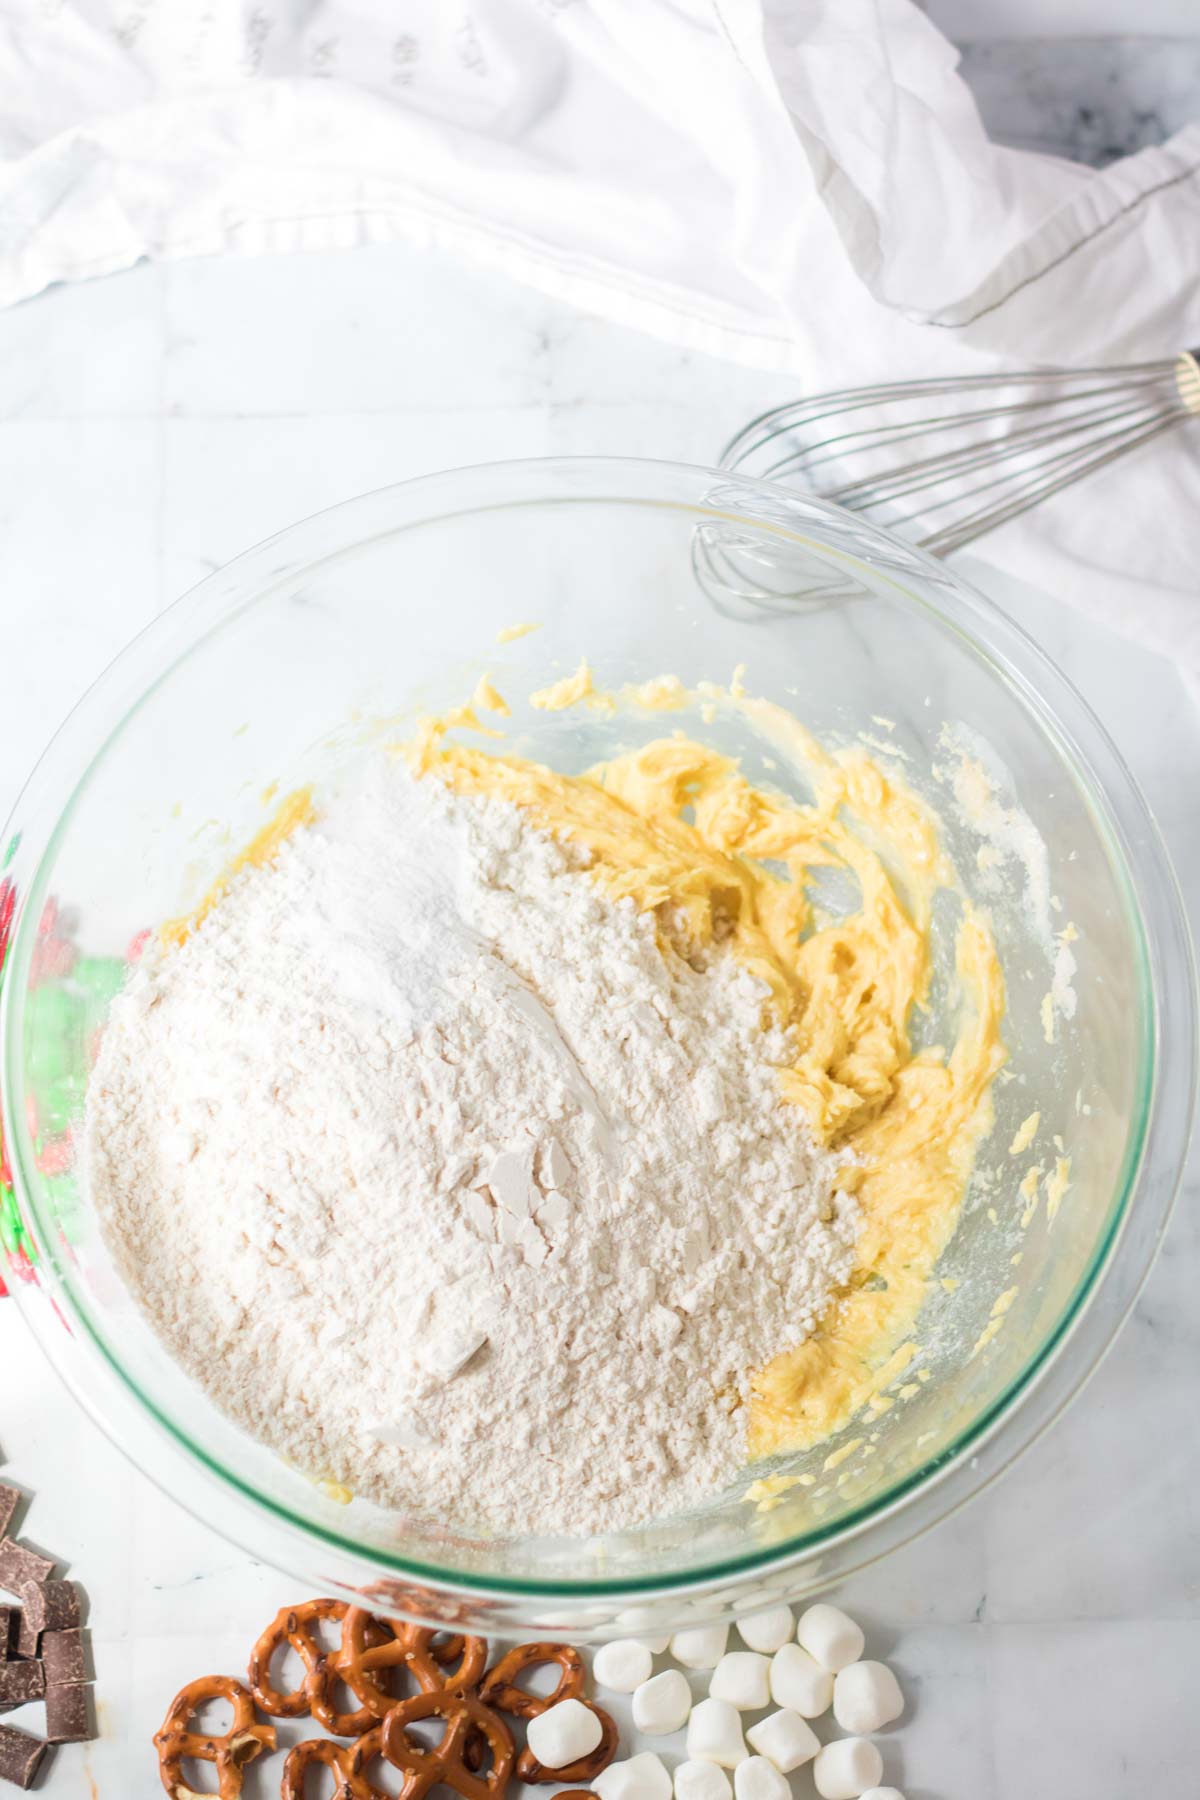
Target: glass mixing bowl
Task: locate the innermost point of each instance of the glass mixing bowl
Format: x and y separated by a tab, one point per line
279	668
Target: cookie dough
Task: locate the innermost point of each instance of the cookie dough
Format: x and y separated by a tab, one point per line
676	827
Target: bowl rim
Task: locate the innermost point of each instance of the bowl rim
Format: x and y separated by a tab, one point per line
1156	1143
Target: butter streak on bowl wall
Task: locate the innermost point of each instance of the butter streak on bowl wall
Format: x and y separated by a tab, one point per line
350	626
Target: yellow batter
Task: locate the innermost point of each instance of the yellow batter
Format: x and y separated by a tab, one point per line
677	828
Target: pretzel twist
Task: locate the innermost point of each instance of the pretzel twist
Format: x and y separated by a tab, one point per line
230	1751
499	1686
317	1693
431	1661
332	1756
453	1665
465	1717
584	1768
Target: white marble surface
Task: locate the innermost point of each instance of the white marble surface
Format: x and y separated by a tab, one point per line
1053	20
153	425
1090	99
1090	80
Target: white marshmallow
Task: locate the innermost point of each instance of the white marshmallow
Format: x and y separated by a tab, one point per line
785	1739
641	1777
563	1733
758	1779
799	1683
866	1697
767	1631
742	1677
702	1648
663	1703
883	1794
622	1665
830	1636
845	1769
701	1781
714	1734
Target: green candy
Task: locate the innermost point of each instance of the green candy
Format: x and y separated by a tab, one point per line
61	1020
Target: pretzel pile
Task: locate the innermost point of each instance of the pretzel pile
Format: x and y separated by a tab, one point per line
449	1679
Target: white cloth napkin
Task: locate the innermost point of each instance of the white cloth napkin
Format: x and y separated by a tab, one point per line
799	184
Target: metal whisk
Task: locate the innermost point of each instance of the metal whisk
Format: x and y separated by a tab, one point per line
947	460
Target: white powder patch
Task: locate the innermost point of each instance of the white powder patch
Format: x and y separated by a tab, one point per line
441	1177
1012	847
978	780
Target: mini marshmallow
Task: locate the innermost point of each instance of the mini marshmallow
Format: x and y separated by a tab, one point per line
637	1778
767	1631
830	1636
866	1697
799	1683
563	1733
785	1739
702	1648
758	1779
701	1781
714	1734
742	1677
662	1704
622	1665
847	1768
883	1794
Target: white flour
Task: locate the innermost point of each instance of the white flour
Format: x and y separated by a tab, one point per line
443	1179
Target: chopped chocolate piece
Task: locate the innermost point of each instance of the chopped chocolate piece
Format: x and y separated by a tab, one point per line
20	1682
64	1658
68	1715
51	1605
10	1499
7	1631
20	1755
27	1635
22	1567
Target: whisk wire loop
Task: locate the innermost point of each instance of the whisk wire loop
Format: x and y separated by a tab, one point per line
1028	435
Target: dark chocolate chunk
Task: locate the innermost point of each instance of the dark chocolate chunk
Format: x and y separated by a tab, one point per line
20	1682
10	1499
68	1715
22	1567
27	1634
8	1632
51	1605
64	1658
20	1754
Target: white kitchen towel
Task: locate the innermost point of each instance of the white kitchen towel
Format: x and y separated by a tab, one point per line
799	184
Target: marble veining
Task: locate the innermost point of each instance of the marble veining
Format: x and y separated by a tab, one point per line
1089	99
